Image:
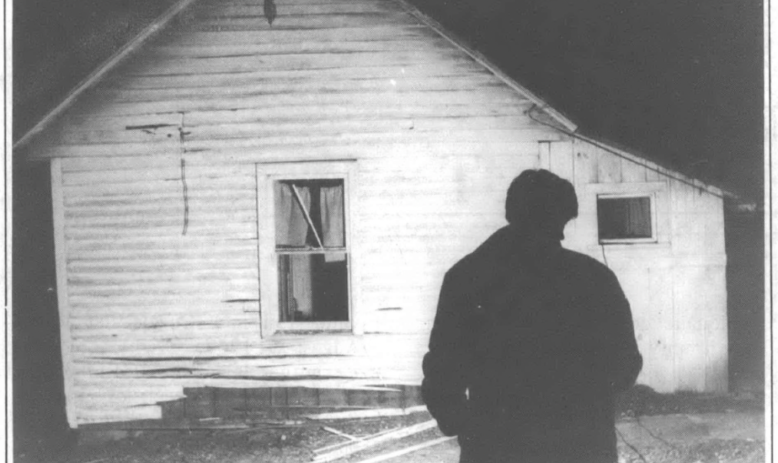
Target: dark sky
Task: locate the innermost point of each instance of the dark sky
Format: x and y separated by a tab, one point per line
677	80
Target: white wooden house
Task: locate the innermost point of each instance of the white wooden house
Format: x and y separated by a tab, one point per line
184	255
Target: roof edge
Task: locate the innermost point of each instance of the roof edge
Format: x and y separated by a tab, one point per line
648	163
658	168
122	54
482	60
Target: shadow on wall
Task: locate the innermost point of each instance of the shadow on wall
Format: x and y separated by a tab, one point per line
38	393
746	309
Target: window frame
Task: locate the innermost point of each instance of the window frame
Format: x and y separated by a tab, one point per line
267	174
651	195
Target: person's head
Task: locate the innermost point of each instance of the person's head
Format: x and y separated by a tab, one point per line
539	201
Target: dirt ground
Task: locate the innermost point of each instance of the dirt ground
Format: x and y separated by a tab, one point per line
650	436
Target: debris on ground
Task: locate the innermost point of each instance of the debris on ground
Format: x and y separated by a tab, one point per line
397	435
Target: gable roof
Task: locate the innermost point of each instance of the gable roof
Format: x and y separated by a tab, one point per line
218	41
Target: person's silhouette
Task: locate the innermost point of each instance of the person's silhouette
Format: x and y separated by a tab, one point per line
531	341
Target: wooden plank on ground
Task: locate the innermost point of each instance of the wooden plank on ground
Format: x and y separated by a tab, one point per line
365	444
354	414
407	450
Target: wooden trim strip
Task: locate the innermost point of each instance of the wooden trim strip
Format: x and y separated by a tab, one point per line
131	47
60	252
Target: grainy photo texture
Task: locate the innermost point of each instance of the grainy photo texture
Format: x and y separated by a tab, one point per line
372	230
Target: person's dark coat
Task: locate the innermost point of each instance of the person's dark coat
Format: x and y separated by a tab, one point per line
531	342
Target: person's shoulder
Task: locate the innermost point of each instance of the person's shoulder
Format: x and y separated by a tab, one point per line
482	257
585	264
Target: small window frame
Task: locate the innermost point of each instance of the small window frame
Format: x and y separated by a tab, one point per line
267	175
652	209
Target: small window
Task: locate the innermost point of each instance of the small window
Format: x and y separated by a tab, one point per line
625	219
311	250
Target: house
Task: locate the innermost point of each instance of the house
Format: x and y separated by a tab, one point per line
244	206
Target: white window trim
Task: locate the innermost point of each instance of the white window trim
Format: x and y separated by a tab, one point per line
660	210
268	265
652	208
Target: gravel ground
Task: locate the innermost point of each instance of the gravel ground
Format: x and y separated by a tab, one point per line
714	451
296	443
642	400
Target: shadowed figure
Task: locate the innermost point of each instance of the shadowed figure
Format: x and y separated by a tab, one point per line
531	341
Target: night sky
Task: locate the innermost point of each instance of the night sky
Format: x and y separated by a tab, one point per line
678	81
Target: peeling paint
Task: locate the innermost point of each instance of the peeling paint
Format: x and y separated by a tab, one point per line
285	377
148	127
159	370
179	325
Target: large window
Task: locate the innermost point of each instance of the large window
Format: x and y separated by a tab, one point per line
625	218
305	256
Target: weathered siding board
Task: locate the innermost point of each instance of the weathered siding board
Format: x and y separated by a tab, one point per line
608	168
631	172
659	368
313	100
289	145
181	50
449	59
332	118
256	10
307	85
337	22
585	166
379	32
561	160
318	125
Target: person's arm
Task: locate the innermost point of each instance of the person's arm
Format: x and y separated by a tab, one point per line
446	365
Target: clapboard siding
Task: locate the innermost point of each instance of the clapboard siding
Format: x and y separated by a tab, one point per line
155	179
155	290
311	100
309	85
182	50
315	124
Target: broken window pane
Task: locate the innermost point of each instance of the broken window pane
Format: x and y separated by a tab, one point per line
313	287
624	218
